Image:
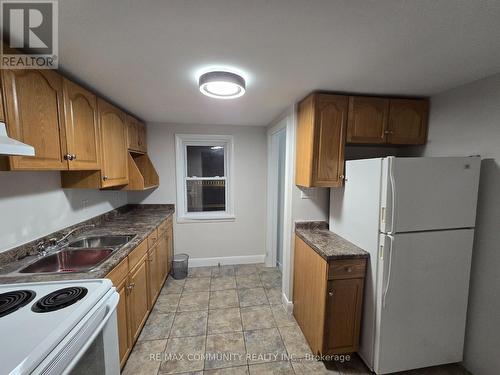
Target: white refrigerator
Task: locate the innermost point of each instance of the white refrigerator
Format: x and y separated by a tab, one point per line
416	217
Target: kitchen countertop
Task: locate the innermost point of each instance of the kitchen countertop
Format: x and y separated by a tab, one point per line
138	220
326	243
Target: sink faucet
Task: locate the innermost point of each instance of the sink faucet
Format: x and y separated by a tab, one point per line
43	247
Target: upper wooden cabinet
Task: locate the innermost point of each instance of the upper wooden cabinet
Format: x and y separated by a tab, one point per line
408	122
136	135
327	122
367	120
34	115
114	169
82	130
142	137
391	121
321	132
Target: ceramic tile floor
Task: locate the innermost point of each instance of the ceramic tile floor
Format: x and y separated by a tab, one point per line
229	320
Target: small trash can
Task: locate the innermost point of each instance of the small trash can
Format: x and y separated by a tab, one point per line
180	266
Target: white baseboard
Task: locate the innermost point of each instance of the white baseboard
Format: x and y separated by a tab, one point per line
246	259
288	305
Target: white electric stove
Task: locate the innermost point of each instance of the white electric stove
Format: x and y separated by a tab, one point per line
59	327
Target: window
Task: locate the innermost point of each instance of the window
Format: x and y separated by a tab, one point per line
204	189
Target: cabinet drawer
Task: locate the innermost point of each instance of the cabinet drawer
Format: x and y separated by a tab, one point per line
120	272
163	228
135	255
347	269
152	238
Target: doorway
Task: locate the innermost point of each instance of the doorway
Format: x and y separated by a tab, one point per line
276	185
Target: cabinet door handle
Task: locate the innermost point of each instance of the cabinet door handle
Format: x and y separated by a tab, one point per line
104	178
68	157
73	157
348	269
330	293
389	132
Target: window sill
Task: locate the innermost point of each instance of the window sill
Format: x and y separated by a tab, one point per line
206	219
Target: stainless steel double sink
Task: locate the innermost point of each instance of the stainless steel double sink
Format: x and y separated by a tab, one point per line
80	255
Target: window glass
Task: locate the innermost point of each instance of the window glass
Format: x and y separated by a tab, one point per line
205	161
206	195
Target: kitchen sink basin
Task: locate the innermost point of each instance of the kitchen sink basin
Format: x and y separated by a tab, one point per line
101	241
69	260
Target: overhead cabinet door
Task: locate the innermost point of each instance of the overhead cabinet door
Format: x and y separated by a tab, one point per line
367	120
82	131
114	145
330	132
407	121
34	115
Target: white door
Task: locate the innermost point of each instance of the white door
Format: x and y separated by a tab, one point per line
431	193
423	286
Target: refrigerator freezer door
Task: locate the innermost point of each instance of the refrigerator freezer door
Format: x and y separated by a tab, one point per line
422	322
430	193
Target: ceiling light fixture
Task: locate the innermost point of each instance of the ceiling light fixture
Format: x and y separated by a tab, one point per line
222	85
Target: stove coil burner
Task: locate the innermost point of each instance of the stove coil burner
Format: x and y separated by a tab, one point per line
59	299
12	301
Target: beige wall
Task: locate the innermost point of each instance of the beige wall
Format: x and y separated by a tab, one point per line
246	235
466	121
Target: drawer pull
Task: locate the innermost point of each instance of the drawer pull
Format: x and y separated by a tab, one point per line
330	293
348	269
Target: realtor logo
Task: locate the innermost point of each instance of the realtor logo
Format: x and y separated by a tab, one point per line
29	34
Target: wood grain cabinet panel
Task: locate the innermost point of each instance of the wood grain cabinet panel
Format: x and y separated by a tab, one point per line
122	315
154	273
136	132
321	132
82	130
114	145
367	120
343	312
408	121
34	115
119	277
309	289
142	137
163	258
138	279
328	312
2	113
138	297
132	133
170	244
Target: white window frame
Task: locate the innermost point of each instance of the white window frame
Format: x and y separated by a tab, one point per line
181	143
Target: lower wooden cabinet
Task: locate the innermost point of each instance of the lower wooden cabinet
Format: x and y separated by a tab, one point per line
124	341
138	297
343	311
138	281
328	299
154	272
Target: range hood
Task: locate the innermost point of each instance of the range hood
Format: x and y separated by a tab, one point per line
9	146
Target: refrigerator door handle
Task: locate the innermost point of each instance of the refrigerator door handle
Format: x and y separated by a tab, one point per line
393	193
388	282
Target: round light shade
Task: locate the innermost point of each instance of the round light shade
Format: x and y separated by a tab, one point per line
222	85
